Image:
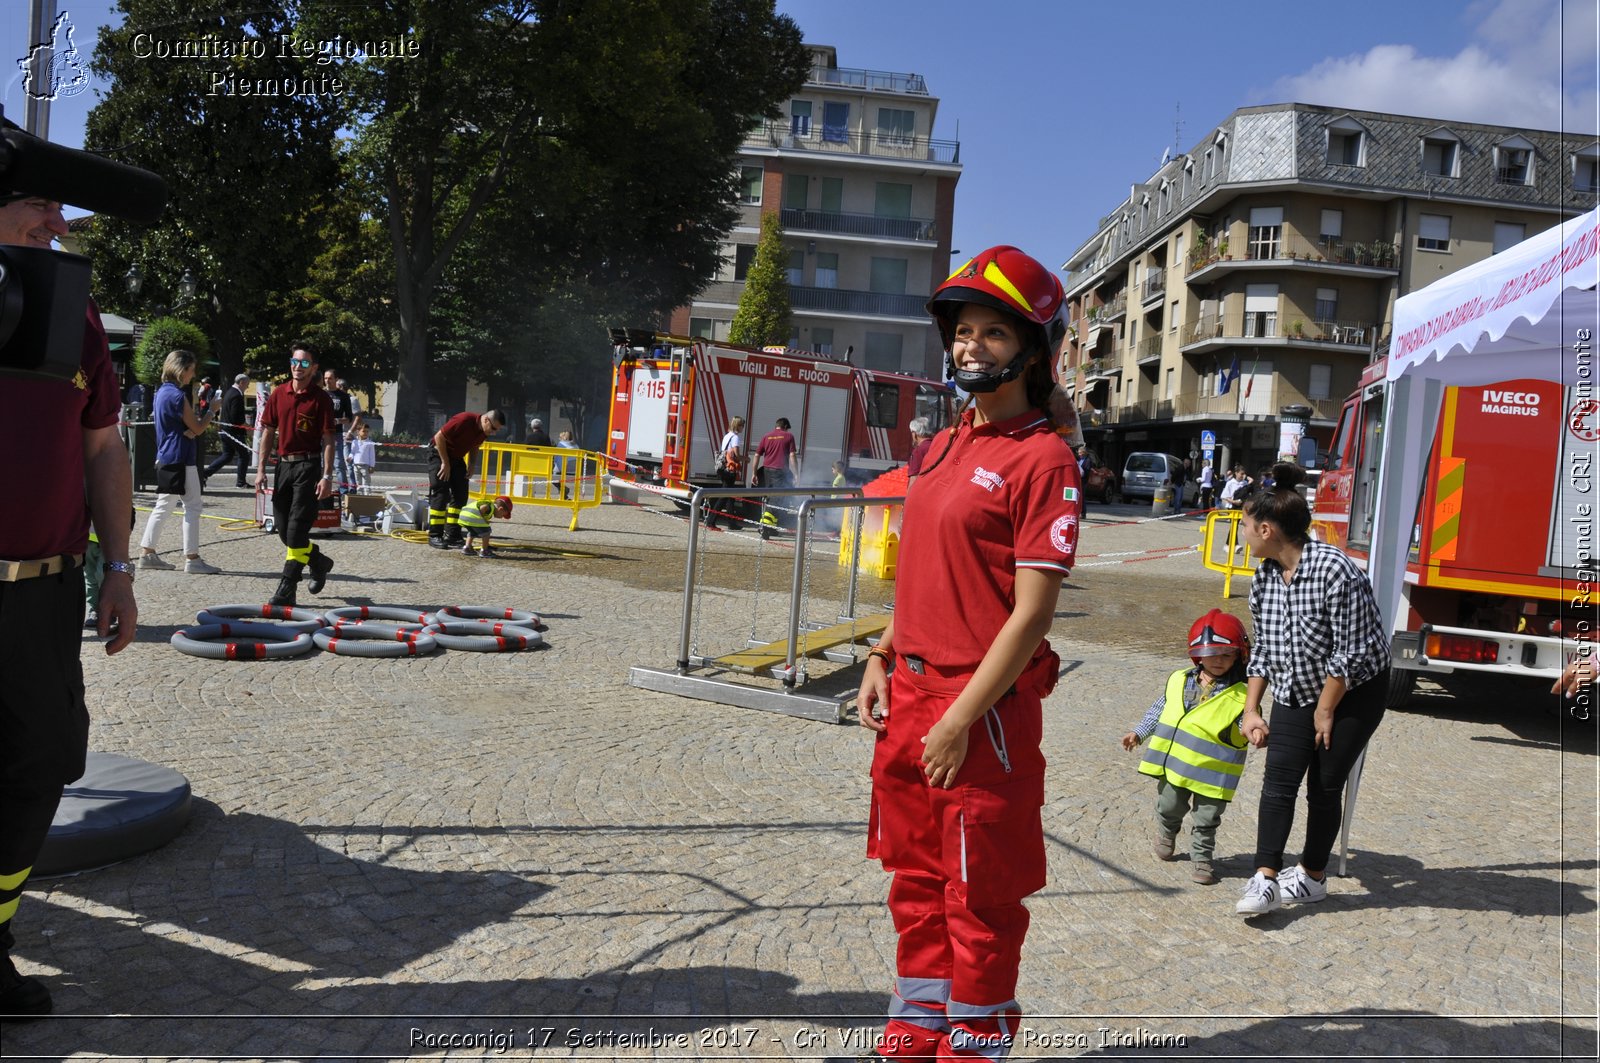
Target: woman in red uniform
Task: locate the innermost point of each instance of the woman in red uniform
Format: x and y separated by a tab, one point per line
953	689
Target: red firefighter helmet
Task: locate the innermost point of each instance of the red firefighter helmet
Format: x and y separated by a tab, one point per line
1217	633
502	507
1006	279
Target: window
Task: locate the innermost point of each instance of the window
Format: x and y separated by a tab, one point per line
892	200
883	400
1441	156
1166	198
1266	229
1172	318
1144	213
1433	232
795	187
800	118
1327	304
1127	228
932	403
1211	164
750	184
827	269
1222	155
700	326
1188	177
1166	392
1177	248
1513	162
1332	228
896	127
883	352
1260	311
822	340
1508	234
1321	384
1347	143
832	195
888	276
797	268
743	255
1586	173
835	122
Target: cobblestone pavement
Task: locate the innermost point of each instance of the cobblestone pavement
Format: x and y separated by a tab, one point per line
504	856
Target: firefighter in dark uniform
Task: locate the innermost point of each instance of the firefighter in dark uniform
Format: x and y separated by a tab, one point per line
447	472
299	418
65	464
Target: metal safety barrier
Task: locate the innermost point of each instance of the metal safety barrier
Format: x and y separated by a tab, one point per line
560	477
1222	549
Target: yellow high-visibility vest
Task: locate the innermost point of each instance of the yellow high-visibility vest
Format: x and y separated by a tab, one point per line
1201	749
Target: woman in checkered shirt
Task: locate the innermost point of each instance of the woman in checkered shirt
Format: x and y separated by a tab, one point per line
1321	649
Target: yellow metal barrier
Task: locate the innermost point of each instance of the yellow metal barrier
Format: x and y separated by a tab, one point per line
561	477
880	541
1234	558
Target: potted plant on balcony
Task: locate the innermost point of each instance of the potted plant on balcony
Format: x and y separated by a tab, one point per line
1222	249
1297	328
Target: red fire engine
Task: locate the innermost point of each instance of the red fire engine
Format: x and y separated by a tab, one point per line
1499	533
672	399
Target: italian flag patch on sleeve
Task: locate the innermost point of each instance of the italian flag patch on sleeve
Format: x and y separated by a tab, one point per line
1069	494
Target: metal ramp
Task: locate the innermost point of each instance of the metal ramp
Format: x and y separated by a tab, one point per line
712	678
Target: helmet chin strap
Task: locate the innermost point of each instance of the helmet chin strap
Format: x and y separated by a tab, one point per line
983	383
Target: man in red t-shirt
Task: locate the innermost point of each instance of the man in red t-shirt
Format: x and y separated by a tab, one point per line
447	472
299	418
777	458
65	467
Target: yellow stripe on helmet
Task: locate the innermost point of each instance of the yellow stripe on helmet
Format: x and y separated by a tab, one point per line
992	273
957	271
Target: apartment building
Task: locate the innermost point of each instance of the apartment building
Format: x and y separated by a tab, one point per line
1259	270
865	195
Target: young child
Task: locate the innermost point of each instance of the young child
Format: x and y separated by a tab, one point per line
839	478
474	522
1203	705
363	456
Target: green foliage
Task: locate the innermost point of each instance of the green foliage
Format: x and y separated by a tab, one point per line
161	337
764	315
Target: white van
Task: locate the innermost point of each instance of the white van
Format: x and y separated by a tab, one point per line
1146	470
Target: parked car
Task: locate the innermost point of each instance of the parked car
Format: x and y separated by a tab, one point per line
1146	470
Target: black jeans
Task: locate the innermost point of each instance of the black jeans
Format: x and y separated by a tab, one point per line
294	500
1292	755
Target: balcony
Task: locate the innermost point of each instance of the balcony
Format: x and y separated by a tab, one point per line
1192	405
841	224
848	301
876	80
1144	410
1108	311
1099	368
1211	333
1155	286
832	141
1149	351
1377	258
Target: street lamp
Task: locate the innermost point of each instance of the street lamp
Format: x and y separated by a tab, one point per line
134	280
187	286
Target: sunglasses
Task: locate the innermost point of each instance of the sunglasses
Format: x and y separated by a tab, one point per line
300	363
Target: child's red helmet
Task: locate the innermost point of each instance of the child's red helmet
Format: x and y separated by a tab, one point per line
502	507
1215	634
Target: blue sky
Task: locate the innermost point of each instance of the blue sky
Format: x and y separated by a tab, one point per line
1061	105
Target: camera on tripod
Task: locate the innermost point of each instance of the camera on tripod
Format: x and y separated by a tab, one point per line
44	293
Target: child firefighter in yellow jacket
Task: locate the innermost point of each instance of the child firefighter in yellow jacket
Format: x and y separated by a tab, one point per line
1196	749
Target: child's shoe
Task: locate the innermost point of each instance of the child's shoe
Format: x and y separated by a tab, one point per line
1203	873
468	550
1260	896
1162	846
1298	887
488	551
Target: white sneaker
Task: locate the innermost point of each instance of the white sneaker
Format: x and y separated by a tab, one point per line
1296	886
150	561
195	566
1260	896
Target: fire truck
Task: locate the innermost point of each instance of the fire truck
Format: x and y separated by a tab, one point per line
1500	535
672	399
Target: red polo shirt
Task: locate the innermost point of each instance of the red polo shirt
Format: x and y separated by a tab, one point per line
1004	497
463	434
301	418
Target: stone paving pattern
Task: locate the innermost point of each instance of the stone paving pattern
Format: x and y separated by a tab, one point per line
470	854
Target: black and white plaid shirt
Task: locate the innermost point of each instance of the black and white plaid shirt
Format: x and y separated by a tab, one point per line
1324	623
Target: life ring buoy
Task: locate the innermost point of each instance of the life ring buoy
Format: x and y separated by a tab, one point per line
293	619
520	617
470	635
374	640
277	641
347	613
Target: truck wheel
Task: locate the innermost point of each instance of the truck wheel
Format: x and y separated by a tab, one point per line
1402	682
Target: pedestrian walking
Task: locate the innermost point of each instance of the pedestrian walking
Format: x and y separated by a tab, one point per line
177	473
299	422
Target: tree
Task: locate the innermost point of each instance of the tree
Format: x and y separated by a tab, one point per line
163	336
245	168
616	123
763	316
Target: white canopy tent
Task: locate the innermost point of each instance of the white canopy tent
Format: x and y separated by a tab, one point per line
1526	313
